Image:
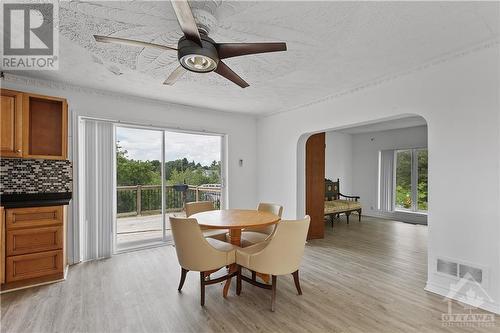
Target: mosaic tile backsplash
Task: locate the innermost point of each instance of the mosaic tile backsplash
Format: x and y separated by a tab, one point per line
35	176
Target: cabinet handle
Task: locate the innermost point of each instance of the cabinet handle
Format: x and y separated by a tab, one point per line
19	150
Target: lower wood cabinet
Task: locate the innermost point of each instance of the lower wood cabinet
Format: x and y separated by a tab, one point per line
33	249
33	217
34	265
32	240
2	248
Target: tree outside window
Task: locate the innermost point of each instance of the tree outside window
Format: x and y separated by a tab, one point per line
410	190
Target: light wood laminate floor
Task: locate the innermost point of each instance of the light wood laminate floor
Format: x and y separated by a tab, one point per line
363	277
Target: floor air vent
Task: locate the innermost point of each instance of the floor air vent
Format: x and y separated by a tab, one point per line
447	267
459	270
476	273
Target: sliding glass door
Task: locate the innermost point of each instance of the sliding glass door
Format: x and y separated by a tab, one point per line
139	155
148	194
192	170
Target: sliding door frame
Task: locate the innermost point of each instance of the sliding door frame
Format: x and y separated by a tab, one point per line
74	232
153	242
163	131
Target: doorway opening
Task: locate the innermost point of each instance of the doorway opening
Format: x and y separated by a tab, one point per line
381	168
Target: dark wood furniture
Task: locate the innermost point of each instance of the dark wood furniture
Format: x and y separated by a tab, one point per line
272	286
337	203
315	178
33	126
205	280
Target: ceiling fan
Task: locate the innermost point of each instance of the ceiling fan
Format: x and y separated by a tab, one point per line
197	52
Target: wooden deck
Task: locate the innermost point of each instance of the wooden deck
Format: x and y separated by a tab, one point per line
136	231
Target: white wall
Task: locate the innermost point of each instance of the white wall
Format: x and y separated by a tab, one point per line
240	129
459	98
338	159
365	155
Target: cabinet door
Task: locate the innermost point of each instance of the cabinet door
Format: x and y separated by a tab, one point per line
11	124
45	129
28	266
2	249
33	240
34	217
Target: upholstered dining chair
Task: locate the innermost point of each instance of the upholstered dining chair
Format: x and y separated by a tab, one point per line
279	255
197	253
192	208
255	235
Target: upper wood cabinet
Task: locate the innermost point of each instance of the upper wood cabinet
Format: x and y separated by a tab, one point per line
34	126
45	127
11	124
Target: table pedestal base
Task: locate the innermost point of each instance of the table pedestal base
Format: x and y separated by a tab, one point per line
235	239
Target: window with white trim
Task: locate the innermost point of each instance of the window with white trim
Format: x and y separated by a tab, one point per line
410	180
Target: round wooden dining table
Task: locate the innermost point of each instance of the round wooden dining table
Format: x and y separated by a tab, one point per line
235	220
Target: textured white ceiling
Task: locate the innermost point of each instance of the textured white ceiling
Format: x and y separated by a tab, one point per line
332	47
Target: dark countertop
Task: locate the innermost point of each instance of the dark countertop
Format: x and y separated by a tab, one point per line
18	200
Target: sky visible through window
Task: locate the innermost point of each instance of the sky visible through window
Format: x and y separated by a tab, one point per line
143	144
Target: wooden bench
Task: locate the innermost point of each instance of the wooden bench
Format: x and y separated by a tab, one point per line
337	203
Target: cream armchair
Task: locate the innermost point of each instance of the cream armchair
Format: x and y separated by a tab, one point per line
255	235
197	253
192	208
278	255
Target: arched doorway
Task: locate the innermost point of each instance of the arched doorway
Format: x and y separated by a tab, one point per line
384	162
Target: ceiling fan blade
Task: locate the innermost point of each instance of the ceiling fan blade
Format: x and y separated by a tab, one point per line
228	50
130	42
223	70
186	20
175	75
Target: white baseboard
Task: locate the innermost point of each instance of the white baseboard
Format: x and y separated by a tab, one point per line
444	291
398	216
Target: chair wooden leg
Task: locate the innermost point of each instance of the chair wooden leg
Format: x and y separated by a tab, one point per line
273	292
202	288
297	282
238	281
359	212
347	215
183	278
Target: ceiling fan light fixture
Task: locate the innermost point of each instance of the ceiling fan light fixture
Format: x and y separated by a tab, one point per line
196	51
198	63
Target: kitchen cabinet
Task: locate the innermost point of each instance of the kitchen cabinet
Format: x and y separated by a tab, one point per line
33	126
11	141
45	127
33	247
2	248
